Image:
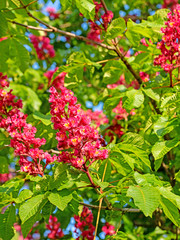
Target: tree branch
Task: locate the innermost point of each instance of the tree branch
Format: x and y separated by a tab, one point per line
68	34
132	210
104	5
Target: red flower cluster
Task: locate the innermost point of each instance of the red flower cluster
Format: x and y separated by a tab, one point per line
42	46
172	4
97	117
54	227
75	133
84	224
170	44
104	20
52	13
22	134
144	76
58	81
108	229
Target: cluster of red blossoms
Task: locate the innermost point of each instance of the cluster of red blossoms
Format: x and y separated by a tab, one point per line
52	13
170	44
22	134
100	23
42	46
108	229
84	224
80	141
58	82
54	227
172	4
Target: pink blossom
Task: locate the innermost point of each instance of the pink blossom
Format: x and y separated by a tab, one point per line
52	13
75	134
108	229
42	46
22	134
54	227
58	81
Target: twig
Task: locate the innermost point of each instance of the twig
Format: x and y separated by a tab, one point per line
68	34
104	5
100	202
53	151
129	67
124	210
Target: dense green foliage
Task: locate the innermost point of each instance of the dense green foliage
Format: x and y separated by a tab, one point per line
142	170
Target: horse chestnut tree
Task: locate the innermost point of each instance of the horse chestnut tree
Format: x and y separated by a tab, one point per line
89	119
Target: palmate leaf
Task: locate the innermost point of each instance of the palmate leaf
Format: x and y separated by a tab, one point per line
145	198
6	223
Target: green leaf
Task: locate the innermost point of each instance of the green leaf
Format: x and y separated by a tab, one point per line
145	198
27	94
170	210
161	148
3	4
59	176
135	99
175	199
22	55
141	154
116	28
164	125
4	165
60	199
152	94
31	207
122	161
27	225
87	8
147	179
112	102
24	195
4	54
16	2
7	220
66	4
45	119
112	71
3	25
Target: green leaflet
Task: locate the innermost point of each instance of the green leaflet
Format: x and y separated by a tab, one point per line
4	165
60	199
161	148
116	28
170	210
31	207
3	25
86	7
22	55
7	220
145	198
